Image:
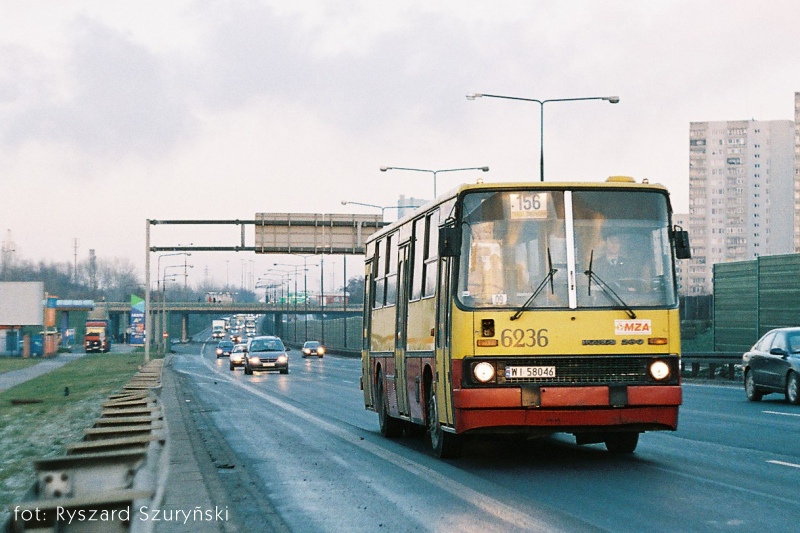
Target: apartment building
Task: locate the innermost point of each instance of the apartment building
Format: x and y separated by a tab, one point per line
682	267
744	190
797	172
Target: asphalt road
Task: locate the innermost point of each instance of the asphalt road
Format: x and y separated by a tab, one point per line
302	454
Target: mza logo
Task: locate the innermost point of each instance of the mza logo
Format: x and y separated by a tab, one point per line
632	327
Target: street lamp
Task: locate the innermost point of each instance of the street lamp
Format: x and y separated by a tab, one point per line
382	208
305	288
158	281
270	284
283	274
158	266
434	172
295	267
609	99
164	301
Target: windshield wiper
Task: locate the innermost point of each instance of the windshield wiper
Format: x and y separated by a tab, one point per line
609	292
548	276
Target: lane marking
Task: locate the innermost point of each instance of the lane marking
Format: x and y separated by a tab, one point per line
782	463
779	413
537	519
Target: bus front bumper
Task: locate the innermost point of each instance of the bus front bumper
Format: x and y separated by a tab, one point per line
567	408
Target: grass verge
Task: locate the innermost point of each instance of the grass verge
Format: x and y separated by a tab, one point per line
9	364
30	431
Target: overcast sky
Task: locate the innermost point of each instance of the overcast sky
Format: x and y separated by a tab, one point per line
112	112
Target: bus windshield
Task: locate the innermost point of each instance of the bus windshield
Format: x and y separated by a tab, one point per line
600	248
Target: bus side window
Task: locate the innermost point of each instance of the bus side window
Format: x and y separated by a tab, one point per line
418	259
379	275
391	269
431	253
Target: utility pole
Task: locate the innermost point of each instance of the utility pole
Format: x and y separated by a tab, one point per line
75	252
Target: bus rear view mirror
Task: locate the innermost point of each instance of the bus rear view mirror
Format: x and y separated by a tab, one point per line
682	249
449	241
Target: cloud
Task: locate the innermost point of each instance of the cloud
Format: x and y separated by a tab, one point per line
114	98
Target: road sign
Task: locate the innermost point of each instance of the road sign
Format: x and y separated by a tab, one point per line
314	232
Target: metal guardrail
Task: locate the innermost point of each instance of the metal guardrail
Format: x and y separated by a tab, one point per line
118	467
711	364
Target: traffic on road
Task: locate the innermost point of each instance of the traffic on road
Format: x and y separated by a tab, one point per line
307	443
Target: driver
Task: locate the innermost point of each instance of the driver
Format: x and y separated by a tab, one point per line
614	264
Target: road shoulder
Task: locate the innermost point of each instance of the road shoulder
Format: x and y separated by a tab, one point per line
211	477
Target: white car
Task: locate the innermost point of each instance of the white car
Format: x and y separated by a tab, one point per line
238	355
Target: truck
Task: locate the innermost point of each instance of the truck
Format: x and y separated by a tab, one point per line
217	329
97	337
250	326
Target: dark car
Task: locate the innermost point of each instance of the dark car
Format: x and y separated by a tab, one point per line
266	353
238	355
313	348
224	348
773	365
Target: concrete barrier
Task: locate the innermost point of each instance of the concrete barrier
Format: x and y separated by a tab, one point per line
121	465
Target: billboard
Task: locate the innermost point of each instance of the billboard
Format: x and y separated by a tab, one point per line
21	303
137	321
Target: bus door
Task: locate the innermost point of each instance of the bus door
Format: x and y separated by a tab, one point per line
366	330
401	329
444	386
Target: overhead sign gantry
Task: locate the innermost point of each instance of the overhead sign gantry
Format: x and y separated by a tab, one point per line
277	233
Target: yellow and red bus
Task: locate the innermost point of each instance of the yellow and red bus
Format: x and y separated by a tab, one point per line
487	311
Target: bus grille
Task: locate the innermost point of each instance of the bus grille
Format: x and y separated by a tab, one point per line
583	370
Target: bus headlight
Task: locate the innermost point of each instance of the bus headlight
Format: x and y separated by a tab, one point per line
659	370
483	372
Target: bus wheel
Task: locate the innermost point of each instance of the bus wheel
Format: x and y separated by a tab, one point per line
622	442
444	445
390	427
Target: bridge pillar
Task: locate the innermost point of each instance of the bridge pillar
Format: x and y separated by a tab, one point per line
279	325
185	327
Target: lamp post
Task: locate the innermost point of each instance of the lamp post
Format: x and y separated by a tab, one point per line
305	289
158	281
382	208
283	274
267	284
609	99
434	172
158	266
295	267
164	302
284	281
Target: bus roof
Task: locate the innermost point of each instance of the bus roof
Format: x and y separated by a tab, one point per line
613	182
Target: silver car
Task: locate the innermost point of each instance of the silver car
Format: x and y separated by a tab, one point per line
266	353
